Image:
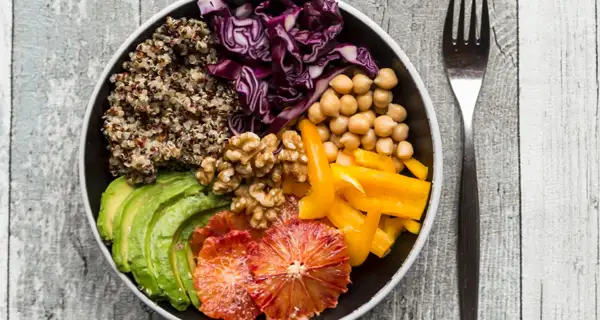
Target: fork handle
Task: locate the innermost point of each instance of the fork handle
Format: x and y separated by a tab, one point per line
468	232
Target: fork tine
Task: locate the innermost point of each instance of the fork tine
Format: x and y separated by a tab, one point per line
473	25
461	23
449	22
485	24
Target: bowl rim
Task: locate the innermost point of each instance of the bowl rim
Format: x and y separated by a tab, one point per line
437	160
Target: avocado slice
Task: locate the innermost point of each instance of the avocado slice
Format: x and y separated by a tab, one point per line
112	198
140	262
163	236
126	212
186	263
184	258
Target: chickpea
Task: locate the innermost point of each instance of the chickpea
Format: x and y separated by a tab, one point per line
370	116
330	105
385	146
399	164
405	150
359	124
368	140
341	84
323	132
358	70
384	125
331	151
365	101
397	112
386	79
361	84
335	139
350	141
348	105
400	132
330	91
339	125
314	113
380	111
381	98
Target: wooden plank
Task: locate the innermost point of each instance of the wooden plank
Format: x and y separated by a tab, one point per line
560	158
6	25
429	290
150	7
57	271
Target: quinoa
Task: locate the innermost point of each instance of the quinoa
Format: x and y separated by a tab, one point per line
165	110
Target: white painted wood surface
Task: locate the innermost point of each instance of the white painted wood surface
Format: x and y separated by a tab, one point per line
5	111
537	139
56	271
560	159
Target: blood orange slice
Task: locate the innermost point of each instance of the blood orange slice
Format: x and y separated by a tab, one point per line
220	224
300	268
222	276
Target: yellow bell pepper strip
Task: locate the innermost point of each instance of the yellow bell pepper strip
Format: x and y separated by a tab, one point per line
343	180
344	159
379	182
374	160
415	167
297	189
316	205
393	227
343	216
382	221
412	226
359	242
395	206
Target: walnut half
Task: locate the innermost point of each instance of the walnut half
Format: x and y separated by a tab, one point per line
293	156
260	203
206	173
227	181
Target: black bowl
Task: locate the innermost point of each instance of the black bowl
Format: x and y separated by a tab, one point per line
372	281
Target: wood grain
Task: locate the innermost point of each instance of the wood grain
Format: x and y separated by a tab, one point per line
560	159
57	271
5	111
429	290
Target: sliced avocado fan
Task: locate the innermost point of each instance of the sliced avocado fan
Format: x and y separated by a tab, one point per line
113	197
163	243
127	212
140	262
185	261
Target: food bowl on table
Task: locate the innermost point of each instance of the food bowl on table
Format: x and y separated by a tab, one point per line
371	281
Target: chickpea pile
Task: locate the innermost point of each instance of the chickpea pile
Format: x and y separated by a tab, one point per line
359	112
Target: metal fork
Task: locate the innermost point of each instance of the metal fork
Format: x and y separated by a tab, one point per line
465	61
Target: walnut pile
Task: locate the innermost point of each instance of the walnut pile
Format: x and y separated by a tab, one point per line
165	110
252	169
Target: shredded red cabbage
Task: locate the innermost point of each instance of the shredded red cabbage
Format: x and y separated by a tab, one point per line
244	11
244	37
213	7
289	114
253	95
356	55
276	52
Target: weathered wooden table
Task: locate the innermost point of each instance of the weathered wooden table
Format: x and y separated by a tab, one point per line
537	139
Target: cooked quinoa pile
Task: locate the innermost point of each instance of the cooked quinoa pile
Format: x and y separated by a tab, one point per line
165	110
